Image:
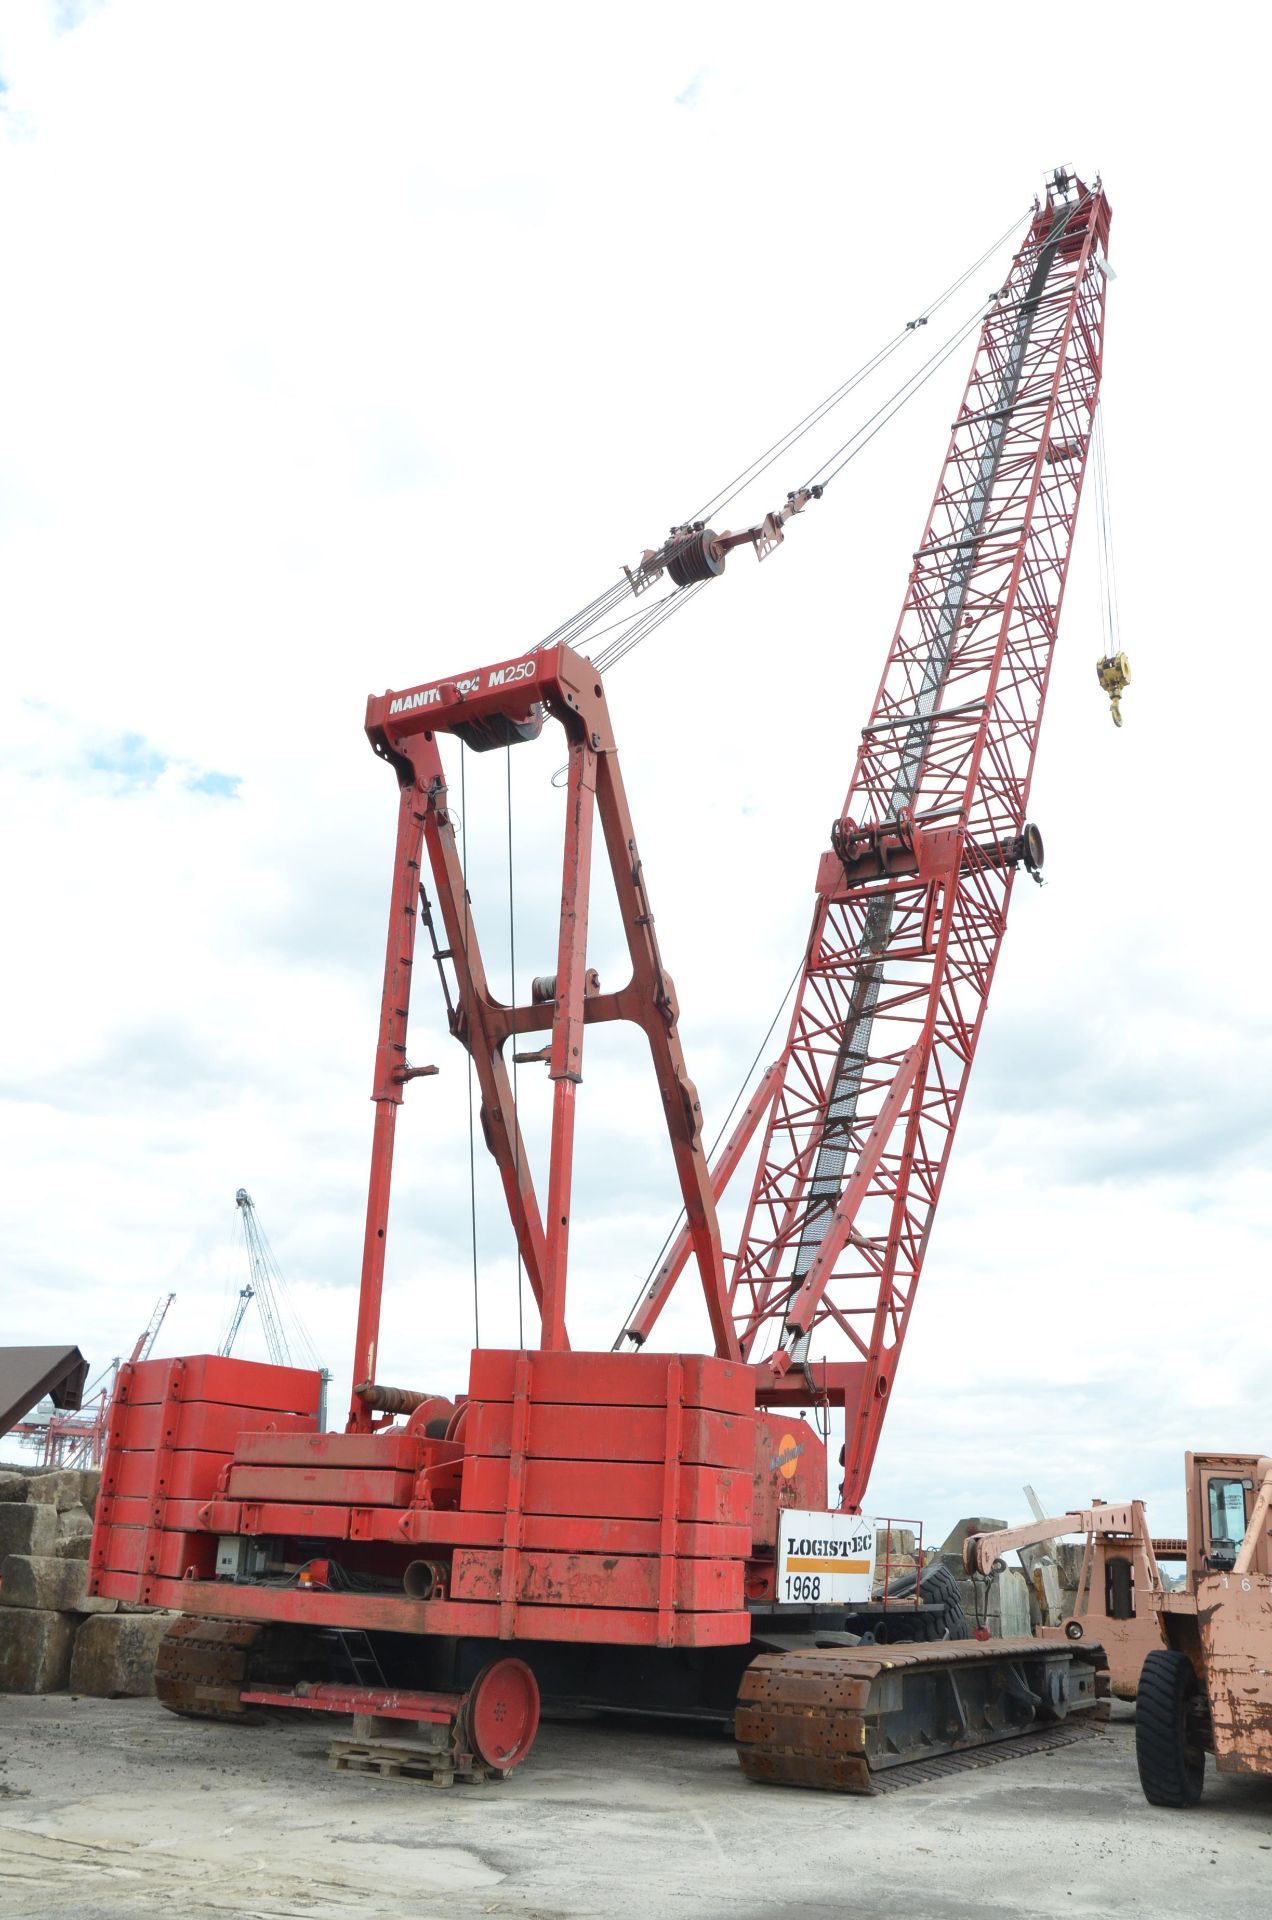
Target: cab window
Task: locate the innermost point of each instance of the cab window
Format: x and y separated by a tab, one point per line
1227	1514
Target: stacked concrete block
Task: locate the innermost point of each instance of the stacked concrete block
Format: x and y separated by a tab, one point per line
27	1529
1000	1602
894	1555
114	1654
74	1534
46	1611
43	1580
951	1548
58	1488
35	1650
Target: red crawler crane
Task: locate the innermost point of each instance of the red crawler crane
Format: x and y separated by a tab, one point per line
589	1507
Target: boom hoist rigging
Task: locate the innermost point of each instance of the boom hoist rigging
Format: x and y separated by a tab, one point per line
578	1506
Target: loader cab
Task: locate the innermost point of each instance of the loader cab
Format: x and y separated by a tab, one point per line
1221	1493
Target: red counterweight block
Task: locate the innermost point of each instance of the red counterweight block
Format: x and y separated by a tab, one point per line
593	1459
173	1429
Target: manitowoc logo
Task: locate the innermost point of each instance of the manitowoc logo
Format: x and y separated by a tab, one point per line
470	683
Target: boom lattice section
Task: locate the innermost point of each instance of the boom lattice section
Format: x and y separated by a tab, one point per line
912	898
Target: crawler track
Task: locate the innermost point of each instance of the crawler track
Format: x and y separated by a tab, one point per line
1058	1733
857	1721
201	1668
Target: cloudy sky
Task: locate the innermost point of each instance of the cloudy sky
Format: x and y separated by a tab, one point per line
346	346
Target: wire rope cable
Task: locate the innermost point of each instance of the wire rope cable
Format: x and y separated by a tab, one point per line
850	448
888	411
512	999
892	406
1110	614
854	380
643	624
606	602
468	994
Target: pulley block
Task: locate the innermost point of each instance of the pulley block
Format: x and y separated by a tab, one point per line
691	556
499	730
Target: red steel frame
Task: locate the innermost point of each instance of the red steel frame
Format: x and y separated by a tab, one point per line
912	900
859	1113
404	728
556	1531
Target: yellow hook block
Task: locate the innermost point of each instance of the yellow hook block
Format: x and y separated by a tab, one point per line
1114	674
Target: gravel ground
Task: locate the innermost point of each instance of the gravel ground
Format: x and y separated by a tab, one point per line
113	1809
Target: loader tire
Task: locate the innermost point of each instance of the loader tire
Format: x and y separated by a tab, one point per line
940	1589
1168	1750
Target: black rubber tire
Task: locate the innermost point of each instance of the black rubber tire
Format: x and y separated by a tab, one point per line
1171	1761
939	1588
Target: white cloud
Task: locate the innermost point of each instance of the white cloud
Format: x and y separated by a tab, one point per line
344	348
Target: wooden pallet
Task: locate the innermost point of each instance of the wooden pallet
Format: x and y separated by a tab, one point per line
403	1760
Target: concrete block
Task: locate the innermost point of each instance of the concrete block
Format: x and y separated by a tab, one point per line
74	1524
1068	1556
115	1654
1044	1584
90	1481
13	1486
951	1547
968	1595
35	1650
1000	1602
886	1574
40	1580
898	1542
58	1487
26	1528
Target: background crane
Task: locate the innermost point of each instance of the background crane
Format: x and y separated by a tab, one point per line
150	1332
79	1439
286	1337
246	1296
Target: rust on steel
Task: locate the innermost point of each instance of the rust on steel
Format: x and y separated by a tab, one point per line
1119	1576
837	1717
201	1668
1222	1620
392	1399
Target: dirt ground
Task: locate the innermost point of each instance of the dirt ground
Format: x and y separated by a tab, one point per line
114	1809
